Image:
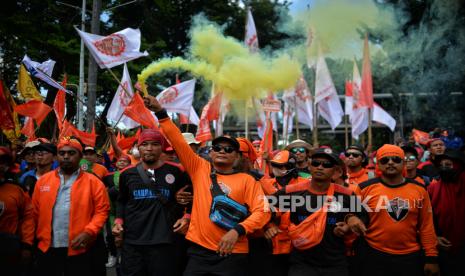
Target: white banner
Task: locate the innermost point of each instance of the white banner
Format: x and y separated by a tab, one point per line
178	98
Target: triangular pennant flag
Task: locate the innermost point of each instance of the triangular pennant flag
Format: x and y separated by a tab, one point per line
115	49
25	85
420	137
43	71
137	111
210	112
69	129
59	105
35	109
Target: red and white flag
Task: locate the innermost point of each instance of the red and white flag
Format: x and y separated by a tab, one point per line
366	88
115	49
381	116
121	100
300	98
288	119
329	106
178	98
210	112
251	39
358	115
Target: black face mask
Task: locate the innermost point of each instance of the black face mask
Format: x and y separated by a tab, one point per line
448	174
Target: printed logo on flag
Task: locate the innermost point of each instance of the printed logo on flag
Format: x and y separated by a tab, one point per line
397	208
124	98
112	45
169	96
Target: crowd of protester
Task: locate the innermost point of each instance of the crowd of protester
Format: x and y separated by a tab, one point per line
172	206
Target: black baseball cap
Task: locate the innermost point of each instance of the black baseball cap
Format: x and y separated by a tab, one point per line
328	153
410	149
48	147
228	139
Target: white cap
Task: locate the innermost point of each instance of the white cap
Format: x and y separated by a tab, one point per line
190	139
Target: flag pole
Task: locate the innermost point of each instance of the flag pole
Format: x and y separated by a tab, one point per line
315	126
246	119
296	118
346	131
370	134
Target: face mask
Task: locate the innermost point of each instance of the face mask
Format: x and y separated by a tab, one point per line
448	174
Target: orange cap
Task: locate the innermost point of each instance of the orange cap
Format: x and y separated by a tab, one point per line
281	157
247	149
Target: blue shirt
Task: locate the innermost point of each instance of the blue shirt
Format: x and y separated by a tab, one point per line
60	219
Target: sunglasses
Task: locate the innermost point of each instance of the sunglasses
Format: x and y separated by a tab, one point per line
410	158
227	149
279	166
296	150
395	159
354	154
325	164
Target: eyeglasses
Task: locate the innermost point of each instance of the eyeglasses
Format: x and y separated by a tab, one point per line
354	154
395	159
227	149
410	158
296	150
41	152
325	164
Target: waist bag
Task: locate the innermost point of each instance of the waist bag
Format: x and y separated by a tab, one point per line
310	232
225	212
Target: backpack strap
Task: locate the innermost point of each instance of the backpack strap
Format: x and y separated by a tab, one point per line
143	174
215	188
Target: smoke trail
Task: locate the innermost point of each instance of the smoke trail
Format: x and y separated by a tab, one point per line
228	63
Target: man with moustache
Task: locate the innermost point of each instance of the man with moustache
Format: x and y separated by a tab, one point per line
70	209
301	150
147	214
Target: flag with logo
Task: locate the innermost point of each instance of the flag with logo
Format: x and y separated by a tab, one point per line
420	137
300	98
25	85
251	39
358	113
178	98
121	100
329	106
115	49
210	112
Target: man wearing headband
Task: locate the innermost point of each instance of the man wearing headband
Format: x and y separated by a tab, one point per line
70	209
16	219
225	251
400	223
147	214
301	151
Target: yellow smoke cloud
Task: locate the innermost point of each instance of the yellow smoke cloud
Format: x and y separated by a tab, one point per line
228	63
337	26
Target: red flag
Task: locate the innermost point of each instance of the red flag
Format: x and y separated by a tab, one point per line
210	112
60	104
6	117
137	111
349	92
366	91
69	129
420	137
35	109
29	129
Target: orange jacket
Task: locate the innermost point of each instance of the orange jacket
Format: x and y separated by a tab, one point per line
240	186
16	213
88	211
357	177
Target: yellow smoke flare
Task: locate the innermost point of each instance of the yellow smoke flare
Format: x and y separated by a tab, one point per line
229	64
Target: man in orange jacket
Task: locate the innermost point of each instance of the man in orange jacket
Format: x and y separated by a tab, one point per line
16	221
216	249
70	209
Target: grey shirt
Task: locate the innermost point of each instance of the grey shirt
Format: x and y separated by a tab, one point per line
60	219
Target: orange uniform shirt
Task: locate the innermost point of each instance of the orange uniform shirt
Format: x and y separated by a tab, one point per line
88	210
99	170
401	220
358	177
16	213
239	186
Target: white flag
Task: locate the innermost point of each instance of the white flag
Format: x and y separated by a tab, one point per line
178	98
43	71
329	106
381	116
115	49
358	115
251	39
121	100
194	117
301	100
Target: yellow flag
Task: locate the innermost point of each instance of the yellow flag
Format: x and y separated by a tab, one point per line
12	135
26	87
